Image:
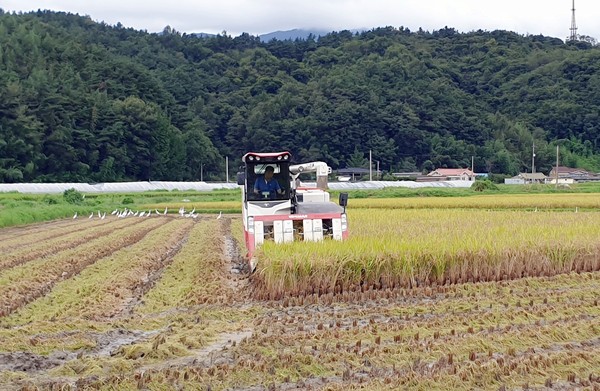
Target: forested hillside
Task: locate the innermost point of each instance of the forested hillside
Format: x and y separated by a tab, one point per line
85	101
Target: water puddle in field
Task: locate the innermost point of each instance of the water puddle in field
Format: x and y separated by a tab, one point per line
107	344
110	342
207	355
30	362
36	365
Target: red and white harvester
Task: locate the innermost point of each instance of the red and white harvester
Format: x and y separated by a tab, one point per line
296	213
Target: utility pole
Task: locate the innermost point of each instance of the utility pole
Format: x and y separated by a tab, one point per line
201	172
533	159
227	169
556	169
370	166
473	164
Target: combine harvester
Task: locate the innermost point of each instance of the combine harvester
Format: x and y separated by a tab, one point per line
291	213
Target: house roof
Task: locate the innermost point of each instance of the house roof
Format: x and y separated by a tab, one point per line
568	170
528	175
353	170
451	172
407	174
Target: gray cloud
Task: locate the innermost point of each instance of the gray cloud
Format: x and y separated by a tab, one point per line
548	17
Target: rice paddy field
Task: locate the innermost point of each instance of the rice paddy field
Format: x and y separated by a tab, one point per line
489	292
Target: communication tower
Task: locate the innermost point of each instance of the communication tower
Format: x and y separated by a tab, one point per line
573	36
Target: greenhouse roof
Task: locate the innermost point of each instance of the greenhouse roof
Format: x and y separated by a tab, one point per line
112	187
130	187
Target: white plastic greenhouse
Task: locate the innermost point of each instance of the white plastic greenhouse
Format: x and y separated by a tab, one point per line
129	187
112	187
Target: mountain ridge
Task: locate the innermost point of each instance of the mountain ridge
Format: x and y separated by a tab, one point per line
283	35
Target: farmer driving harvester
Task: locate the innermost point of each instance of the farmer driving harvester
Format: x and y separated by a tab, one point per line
266	185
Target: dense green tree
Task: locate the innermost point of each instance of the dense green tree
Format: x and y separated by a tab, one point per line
86	101
358	159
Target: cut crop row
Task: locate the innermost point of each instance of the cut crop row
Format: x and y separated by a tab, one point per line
299	347
45	228
27	238
25	283
310	344
43	248
196	274
112	283
478	307
569	369
193	302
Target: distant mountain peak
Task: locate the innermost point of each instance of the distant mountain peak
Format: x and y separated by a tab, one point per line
292	34
283	35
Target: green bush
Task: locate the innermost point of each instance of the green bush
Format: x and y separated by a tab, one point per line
50	200
498	178
73	196
485	184
127	200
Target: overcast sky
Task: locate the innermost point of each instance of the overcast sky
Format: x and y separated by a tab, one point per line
547	17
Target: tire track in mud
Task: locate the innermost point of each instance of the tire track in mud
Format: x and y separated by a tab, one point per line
21	285
204	356
58	243
237	272
38	366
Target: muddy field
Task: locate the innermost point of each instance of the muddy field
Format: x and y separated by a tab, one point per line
164	302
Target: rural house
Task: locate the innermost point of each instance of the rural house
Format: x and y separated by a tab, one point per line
449	174
526	178
576	174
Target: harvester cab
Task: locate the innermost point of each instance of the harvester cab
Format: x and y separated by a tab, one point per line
275	206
